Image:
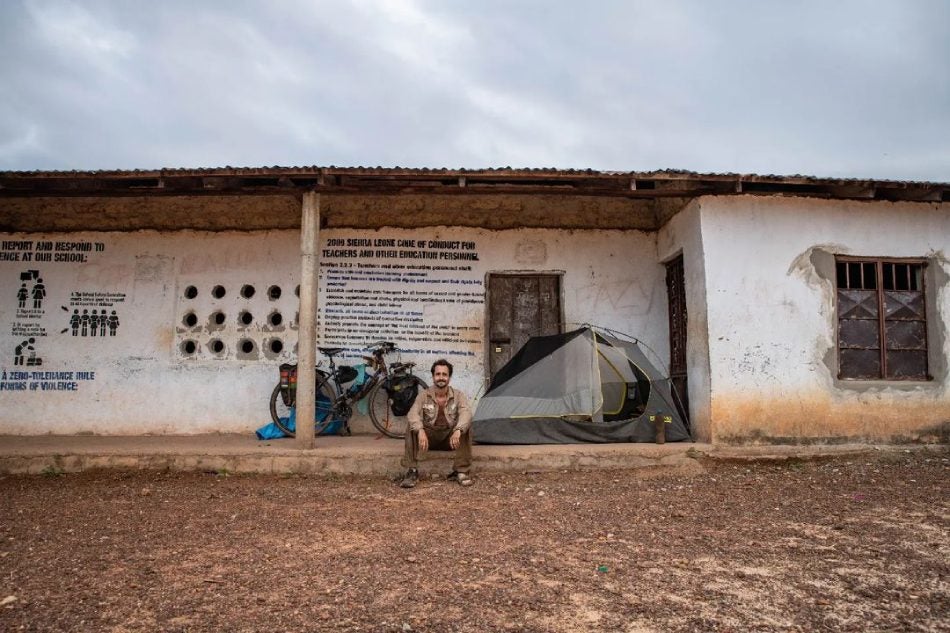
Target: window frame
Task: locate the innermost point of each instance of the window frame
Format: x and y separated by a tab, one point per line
879	289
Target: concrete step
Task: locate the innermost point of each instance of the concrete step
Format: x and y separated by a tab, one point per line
361	455
372	455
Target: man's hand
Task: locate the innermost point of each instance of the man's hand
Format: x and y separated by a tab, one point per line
454	439
423	441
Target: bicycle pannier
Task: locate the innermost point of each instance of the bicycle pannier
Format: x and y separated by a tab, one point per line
288	383
402	392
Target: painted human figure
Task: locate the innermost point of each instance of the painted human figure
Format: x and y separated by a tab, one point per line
74	322
39	292
113	323
103	322
84	322
22	295
21	348
93	323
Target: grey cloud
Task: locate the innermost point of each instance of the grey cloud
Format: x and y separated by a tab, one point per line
807	87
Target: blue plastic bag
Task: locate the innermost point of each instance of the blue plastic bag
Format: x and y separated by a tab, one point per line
269	432
272	431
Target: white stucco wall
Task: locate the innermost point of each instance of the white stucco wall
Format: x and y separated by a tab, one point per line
136	378
683	235
772	321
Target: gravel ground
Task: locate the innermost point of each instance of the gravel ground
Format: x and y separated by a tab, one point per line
854	544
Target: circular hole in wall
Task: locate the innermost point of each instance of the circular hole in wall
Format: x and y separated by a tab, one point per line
246	346
247	291
189	347
276	346
218	318
275	319
297	290
190	320
246	318
191	292
216	345
218	292
274	293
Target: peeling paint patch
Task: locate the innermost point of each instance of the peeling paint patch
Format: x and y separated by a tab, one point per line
531	252
809	262
153	268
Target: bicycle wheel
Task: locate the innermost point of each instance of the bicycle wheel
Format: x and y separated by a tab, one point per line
280	412
381	412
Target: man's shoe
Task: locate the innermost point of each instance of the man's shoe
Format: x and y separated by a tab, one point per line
411	478
462	478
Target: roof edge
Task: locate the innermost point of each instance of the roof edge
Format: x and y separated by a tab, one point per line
530	172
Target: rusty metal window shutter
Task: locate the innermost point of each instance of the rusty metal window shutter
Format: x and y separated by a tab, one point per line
882	319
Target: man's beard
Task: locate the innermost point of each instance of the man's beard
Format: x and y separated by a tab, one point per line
441	383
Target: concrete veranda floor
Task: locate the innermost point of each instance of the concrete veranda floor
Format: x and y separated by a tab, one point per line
372	455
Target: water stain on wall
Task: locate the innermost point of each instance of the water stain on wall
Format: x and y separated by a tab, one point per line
817	417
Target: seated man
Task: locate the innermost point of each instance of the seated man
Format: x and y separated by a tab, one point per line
440	419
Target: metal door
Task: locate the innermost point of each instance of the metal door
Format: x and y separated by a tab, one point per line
519	307
676	292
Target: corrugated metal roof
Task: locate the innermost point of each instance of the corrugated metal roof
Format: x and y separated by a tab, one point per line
276	180
278	170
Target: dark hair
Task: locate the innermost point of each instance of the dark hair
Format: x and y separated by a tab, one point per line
444	363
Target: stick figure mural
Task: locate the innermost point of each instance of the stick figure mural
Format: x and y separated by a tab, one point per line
39	292
20	354
33	360
92	323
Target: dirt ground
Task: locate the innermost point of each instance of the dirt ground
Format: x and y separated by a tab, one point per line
853	544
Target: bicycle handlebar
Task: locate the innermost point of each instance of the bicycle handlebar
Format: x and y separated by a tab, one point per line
383	346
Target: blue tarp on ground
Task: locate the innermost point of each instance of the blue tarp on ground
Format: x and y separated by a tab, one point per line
272	431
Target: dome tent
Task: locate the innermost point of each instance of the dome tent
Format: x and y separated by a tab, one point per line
580	386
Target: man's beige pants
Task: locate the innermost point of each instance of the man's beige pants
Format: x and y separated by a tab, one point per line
439	441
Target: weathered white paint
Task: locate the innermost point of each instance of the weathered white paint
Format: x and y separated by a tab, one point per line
761	354
772	322
145	383
683	235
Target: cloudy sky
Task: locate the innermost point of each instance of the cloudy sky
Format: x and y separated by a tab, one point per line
828	88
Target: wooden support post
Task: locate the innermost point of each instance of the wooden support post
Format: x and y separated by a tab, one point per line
307	325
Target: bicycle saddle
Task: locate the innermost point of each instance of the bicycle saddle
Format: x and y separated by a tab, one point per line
330	351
